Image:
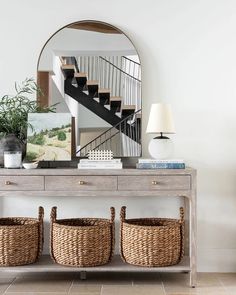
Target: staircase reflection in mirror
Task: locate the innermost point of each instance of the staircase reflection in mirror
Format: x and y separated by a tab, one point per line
95	73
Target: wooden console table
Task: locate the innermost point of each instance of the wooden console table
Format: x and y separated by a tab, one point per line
125	182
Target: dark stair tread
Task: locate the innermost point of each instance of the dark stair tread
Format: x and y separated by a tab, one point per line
92	86
127	110
68	71
81	79
115	103
104	96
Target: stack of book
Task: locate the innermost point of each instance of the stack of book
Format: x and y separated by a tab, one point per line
160	164
100	164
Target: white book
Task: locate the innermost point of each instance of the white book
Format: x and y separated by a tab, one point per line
100	166
161	161
87	161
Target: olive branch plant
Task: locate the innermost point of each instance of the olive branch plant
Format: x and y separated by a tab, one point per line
14	109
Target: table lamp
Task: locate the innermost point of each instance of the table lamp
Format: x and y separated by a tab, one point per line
160	121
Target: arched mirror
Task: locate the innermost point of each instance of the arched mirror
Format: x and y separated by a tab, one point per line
92	70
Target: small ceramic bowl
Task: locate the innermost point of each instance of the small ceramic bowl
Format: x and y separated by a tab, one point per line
30	165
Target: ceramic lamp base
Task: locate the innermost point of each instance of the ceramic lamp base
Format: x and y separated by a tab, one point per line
161	148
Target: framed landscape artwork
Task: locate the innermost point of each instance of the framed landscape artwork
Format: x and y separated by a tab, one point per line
49	137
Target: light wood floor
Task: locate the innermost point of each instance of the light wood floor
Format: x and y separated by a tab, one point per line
116	284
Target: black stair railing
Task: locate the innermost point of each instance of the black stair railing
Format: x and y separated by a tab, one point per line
123	139
132	67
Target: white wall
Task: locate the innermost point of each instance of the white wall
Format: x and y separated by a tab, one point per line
87	119
188	53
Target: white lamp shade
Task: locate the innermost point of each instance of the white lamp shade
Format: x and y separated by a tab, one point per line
160	119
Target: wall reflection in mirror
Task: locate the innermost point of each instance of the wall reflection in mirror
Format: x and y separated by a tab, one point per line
93	71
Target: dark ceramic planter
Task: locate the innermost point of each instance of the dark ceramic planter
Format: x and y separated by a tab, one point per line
11	143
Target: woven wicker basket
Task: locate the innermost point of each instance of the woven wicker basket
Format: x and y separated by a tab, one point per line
152	241
21	239
82	241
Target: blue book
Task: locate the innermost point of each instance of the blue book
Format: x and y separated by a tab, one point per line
160	166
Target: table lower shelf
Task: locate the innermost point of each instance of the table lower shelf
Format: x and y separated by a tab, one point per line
46	264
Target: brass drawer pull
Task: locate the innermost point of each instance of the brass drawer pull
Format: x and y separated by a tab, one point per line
7	182
81	182
154	182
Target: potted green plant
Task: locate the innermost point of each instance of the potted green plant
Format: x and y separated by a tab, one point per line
14	110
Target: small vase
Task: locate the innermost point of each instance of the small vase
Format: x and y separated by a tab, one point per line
12	151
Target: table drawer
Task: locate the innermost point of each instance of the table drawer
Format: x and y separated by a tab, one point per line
80	183
152	183
21	183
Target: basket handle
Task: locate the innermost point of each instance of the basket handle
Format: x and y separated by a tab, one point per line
122	213
113	214
181	213
112	226
181	221
40	213
122	220
41	229
53	215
